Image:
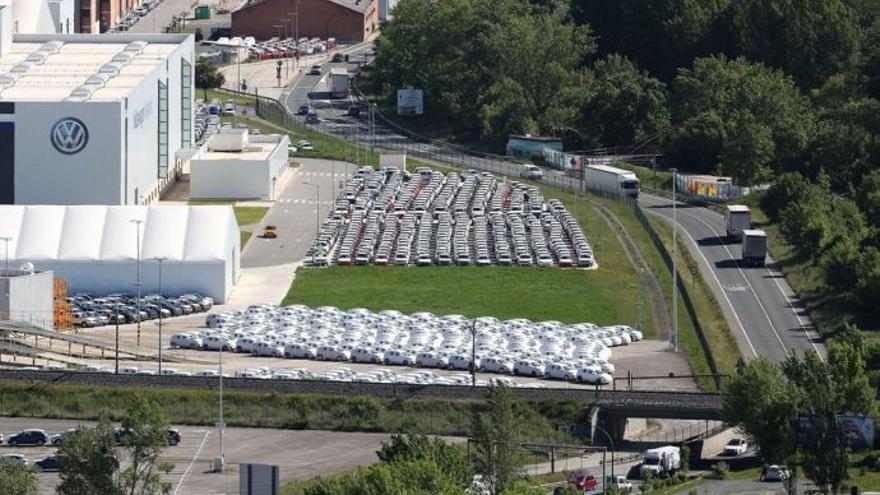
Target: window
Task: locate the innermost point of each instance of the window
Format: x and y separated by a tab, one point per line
163	131
186	114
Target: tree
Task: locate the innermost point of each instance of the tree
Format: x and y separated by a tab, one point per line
88	462
208	77
625	105
763	403
17	479
145	436
497	455
737	115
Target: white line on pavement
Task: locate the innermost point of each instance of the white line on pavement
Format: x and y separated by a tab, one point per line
195	456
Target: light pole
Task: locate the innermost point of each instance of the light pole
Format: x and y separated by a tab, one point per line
160	259
116	359
674	263
473	353
611	442
317	207
219	461
6	240
138	284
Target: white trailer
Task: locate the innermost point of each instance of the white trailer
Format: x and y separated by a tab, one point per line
754	247
339	83
661	461
738	218
606	179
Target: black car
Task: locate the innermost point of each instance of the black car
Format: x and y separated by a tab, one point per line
29	437
303	110
337	57
48	464
173	436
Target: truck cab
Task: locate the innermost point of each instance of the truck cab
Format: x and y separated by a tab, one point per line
737	218
754	247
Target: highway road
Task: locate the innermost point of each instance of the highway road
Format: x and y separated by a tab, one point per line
760	307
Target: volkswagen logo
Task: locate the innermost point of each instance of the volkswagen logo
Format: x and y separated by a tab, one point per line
69	136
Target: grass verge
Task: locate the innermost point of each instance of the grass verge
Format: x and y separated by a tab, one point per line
245	237
250	215
288	411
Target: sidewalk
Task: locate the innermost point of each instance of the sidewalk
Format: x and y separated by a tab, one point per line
260	76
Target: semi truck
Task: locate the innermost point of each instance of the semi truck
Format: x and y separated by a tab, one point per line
614	181
661	461
339	83
737	218
754	247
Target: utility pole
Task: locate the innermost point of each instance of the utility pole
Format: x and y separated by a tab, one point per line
116	359
161	307
138	284
473	353
674	263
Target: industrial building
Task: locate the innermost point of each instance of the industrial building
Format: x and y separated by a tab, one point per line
349	21
386	9
96	250
92	119
27	296
237	165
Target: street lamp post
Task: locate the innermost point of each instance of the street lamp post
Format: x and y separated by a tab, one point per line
473	353
138	284
116	359
160	259
611	442
317	207
674	263
6	240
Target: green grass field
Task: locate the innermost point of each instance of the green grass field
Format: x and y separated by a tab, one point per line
250	215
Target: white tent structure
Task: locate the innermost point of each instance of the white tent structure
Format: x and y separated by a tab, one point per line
32	16
95	247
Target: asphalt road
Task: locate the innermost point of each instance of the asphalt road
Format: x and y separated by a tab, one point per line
761	308
299	454
294	213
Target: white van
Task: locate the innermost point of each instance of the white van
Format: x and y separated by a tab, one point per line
531	172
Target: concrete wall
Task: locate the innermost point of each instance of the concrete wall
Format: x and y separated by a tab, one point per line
28	298
240	179
317	18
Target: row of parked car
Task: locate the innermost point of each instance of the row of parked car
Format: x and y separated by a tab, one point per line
550	349
93	311
38	438
429	218
279	47
134	16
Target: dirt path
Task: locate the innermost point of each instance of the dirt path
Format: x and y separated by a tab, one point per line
648	279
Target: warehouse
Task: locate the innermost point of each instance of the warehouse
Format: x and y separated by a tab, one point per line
237	165
349	21
92	119
95	248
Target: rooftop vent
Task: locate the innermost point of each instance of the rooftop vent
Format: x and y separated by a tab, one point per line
123	57
98	79
112	68
38	57
135	47
84	91
51	46
21	67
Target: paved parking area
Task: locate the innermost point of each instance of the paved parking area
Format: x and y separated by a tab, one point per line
299	454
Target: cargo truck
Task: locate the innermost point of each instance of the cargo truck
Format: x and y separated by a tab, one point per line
613	181
339	83
738	218
661	461
754	247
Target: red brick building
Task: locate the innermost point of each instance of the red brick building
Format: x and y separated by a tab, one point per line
345	20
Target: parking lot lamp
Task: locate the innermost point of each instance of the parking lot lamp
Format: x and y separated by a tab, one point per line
6	240
317	207
473	365
611	443
116	359
218	463
674	262
160	259
138	284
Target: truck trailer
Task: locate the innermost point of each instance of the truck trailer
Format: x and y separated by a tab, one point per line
661	461
737	218
606	179
754	247
339	83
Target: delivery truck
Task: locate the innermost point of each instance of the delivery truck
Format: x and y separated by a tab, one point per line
661	461
754	247
339	83
613	181
738	218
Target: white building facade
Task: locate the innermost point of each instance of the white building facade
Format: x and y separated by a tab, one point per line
93	119
106	249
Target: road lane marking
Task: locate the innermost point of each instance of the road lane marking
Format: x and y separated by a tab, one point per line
195	456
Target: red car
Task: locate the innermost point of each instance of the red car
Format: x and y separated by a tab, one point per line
583	482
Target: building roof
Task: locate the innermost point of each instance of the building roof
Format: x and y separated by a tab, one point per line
81	67
360	6
107	233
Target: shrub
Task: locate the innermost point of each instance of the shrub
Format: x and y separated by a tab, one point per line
721	470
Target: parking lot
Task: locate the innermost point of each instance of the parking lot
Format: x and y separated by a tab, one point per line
429	218
299	454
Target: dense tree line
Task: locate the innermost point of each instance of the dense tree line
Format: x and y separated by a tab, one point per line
764	91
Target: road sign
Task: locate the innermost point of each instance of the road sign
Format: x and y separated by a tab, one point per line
258	479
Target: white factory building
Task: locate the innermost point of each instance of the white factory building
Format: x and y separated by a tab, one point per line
88	119
237	165
95	248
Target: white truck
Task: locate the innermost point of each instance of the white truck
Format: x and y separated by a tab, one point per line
614	181
661	461
737	218
339	83
754	247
